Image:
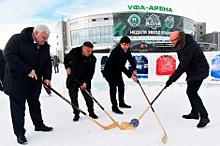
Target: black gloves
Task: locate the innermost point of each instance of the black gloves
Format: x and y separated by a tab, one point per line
168	83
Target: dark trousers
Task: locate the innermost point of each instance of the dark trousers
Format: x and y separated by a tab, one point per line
194	98
56	68
74	99
17	106
115	85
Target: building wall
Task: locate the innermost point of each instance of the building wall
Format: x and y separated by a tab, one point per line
189	26
99	29
94	28
201	31
214	38
60	39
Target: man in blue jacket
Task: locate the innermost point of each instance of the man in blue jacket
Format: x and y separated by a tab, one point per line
27	56
193	62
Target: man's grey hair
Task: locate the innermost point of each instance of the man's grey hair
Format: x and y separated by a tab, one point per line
42	28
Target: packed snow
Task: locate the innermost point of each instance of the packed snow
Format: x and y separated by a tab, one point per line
170	106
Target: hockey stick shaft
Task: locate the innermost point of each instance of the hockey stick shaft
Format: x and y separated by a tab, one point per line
84	113
98	104
151	103
127	125
164	139
102	108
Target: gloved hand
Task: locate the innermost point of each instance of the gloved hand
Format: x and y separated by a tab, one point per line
168	83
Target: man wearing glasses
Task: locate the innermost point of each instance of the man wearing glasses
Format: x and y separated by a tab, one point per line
193	62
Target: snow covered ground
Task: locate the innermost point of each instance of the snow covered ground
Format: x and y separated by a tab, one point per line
169	107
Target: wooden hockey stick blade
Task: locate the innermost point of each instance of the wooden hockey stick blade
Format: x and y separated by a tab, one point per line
126	126
165	137
111	126
116	123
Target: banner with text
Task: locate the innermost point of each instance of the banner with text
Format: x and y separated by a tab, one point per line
149	27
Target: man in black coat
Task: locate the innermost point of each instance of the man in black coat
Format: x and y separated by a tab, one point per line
113	69
2	69
56	62
27	56
193	62
80	65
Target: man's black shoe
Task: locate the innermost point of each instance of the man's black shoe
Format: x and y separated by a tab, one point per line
117	111
191	116
203	122
123	105
93	115
44	128
22	139
76	118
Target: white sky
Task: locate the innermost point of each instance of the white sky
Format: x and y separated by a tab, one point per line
15	15
169	107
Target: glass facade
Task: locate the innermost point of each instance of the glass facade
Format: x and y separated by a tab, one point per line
189	26
99	29
97	35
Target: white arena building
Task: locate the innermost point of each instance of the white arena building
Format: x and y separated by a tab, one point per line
148	31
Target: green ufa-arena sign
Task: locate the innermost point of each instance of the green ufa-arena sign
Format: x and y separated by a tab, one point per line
150	8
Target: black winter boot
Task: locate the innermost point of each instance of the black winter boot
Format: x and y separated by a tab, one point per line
123	105
44	128
116	110
93	115
76	118
22	139
203	122
191	116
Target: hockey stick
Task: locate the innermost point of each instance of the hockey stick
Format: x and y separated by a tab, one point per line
47	90
165	137
74	106
127	125
116	123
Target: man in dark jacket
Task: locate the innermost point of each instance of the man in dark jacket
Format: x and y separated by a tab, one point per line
56	62
194	63
113	69
28	60
80	64
2	69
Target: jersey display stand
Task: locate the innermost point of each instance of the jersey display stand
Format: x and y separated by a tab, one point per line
103	62
141	63
165	65
215	68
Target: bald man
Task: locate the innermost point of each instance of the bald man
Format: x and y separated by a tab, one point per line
174	37
193	62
